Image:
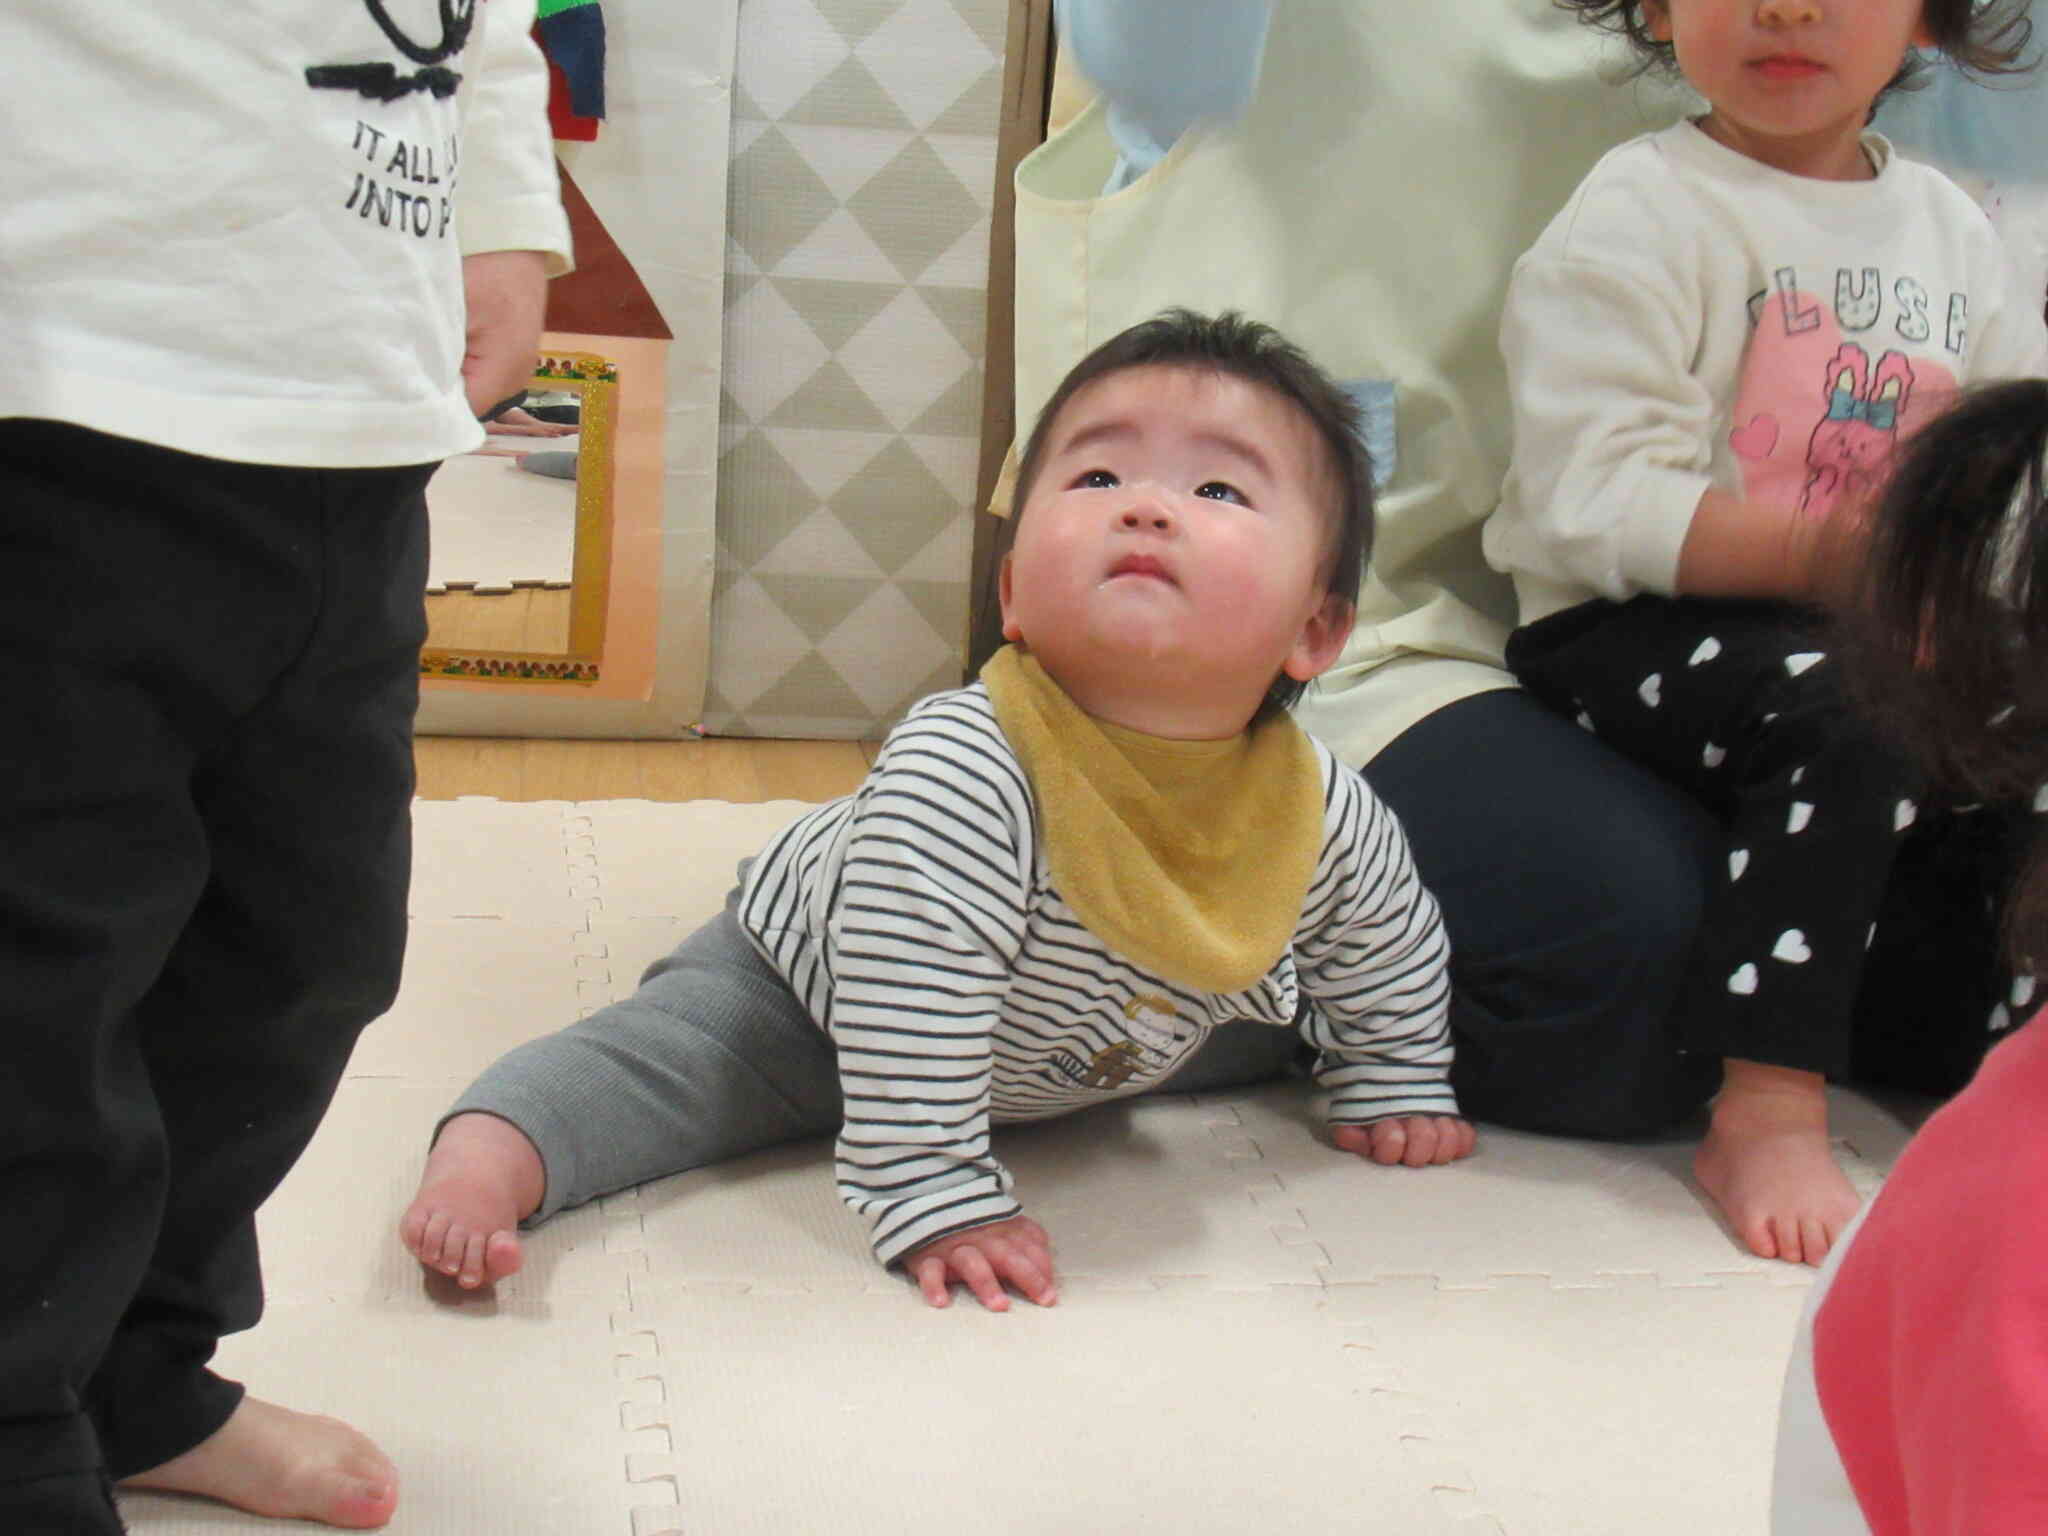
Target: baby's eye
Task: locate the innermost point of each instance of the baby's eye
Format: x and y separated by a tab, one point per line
1096	480
1222	490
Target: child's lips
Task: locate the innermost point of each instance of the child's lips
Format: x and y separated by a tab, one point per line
1787	66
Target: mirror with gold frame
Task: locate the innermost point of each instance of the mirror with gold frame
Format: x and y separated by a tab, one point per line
539	630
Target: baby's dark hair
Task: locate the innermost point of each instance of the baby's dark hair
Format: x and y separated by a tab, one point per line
1984	37
1946	635
1239	348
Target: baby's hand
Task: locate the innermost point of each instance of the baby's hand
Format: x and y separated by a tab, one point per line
1017	1251
1417	1140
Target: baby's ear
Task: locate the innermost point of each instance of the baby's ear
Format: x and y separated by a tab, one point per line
1012	631
1321	640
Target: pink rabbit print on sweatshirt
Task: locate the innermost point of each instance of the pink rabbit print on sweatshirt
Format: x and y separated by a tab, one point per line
1818	415
1853	442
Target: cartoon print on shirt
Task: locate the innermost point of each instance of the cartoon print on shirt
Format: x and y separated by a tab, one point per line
382	81
1150	1019
1157	1040
1854	441
1787	441
1110	1067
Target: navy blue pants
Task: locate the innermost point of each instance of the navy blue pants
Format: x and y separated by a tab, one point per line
1851	922
208	673
1571	882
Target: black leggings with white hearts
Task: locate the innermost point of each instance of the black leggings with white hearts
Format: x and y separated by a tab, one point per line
1852	925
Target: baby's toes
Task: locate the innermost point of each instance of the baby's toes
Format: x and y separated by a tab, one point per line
455	1248
412	1228
1815	1239
468	1261
502	1256
1761	1237
441	1243
424	1230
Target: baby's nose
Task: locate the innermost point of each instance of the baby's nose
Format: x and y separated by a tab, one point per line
1149	507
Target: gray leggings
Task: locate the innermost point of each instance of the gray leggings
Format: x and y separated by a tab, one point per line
714	1057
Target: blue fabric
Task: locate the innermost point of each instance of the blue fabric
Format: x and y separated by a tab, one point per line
574	39
1163	66
1375	399
1999	129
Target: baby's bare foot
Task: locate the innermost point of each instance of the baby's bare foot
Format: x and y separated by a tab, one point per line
482	1178
1768	1164
286	1465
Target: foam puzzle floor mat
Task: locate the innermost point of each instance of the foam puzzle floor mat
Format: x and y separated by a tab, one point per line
1255	1333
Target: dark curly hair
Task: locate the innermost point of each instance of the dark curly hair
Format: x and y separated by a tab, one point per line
1984	37
1945	631
1245	349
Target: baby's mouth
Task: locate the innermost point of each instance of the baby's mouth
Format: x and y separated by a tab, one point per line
1141	565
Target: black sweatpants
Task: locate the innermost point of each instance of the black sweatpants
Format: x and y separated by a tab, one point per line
208	673
1851	924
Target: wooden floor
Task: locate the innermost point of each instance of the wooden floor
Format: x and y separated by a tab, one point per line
733	769
738	770
524	619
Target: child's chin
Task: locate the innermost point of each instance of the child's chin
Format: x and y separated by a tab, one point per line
1136	639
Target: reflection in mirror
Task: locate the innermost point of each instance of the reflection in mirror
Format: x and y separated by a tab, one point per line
521	536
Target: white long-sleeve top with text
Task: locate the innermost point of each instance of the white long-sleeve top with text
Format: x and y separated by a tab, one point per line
1693	318
917	922
238	230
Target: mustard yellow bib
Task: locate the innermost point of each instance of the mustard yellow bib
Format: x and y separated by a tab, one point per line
1189	858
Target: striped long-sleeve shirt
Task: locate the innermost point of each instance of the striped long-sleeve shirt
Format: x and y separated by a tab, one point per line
916	920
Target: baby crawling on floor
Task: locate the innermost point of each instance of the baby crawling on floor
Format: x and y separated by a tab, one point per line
1112	863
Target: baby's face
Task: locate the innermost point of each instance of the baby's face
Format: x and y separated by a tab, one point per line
1175	543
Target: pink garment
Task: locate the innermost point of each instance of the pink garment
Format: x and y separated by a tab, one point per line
1930	1349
